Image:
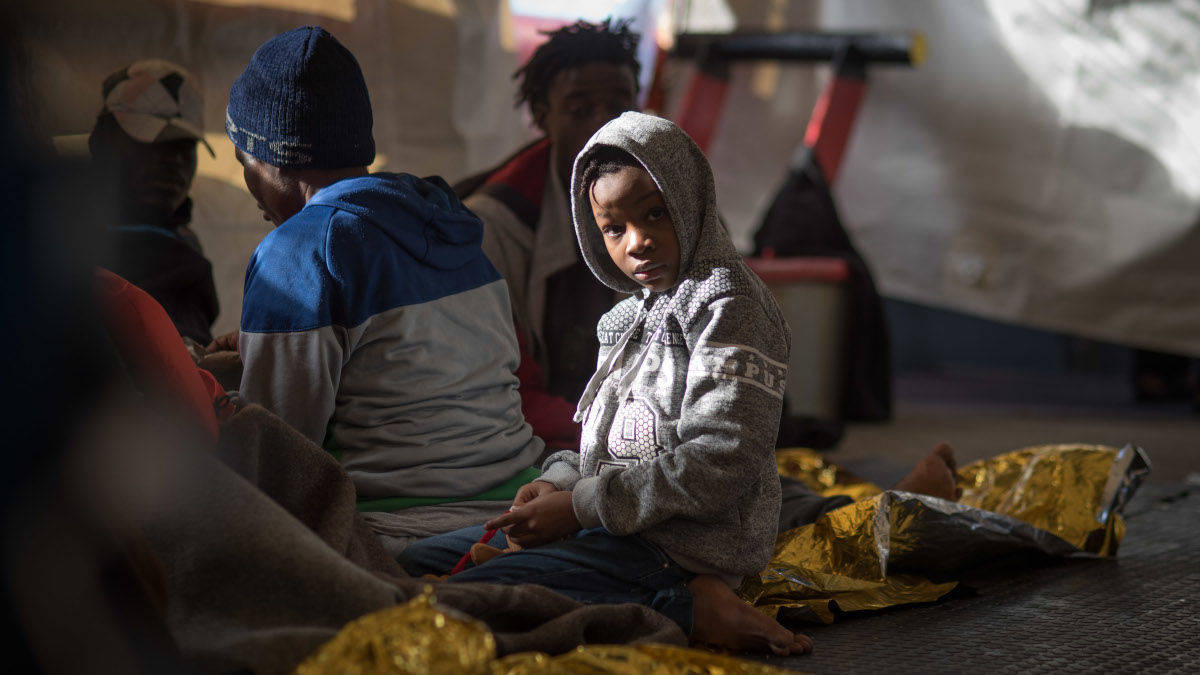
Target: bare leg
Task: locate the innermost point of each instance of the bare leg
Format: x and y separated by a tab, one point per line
722	619
934	476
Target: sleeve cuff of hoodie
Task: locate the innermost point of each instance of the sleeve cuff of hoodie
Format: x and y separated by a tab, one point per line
561	474
584	501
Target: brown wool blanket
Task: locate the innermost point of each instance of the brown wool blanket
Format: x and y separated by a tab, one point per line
266	557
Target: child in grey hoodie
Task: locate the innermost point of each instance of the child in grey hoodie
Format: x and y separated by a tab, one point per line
679	420
674	496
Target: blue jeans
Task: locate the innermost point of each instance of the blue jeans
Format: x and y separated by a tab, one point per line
592	566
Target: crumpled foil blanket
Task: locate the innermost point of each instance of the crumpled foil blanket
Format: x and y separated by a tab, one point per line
892	548
888	548
420	636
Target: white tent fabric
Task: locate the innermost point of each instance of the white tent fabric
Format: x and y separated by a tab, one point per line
1043	167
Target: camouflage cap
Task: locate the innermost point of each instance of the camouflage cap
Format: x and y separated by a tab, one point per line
156	101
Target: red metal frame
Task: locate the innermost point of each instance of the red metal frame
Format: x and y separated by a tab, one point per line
800	269
829	128
701	106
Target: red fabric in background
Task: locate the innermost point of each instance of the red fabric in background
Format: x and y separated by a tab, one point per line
551	417
153	352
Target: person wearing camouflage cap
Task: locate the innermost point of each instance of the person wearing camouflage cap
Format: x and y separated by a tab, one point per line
144	141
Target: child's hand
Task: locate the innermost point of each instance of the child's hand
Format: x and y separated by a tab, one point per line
547	518
531	491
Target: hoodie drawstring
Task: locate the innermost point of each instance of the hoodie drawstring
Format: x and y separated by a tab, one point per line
626	384
611	363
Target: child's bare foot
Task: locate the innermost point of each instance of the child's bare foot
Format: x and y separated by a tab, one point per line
934	476
722	619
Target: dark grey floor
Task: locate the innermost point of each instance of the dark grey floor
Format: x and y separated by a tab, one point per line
983	414
1135	613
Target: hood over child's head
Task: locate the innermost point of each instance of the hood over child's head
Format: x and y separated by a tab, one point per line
633	219
684	181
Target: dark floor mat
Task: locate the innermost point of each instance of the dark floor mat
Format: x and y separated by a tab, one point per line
1136	613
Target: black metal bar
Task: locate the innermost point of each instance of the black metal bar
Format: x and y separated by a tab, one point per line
874	48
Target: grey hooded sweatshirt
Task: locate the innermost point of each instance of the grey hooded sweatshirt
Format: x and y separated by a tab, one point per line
680	419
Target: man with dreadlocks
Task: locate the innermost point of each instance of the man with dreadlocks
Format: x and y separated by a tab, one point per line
584	75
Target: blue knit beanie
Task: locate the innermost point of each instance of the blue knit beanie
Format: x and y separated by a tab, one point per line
302	103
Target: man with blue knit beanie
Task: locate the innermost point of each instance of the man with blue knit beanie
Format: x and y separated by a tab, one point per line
372	321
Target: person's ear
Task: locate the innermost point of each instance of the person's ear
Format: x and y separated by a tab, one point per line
539	111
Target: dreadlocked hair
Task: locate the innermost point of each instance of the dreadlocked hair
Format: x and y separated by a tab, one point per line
570	46
606	159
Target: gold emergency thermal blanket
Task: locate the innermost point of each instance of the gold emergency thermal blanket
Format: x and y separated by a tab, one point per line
886	549
421	637
883	550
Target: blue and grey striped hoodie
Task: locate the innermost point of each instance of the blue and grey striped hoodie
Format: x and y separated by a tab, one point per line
372	321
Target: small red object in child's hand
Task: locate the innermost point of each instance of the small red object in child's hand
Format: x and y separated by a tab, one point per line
462	562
